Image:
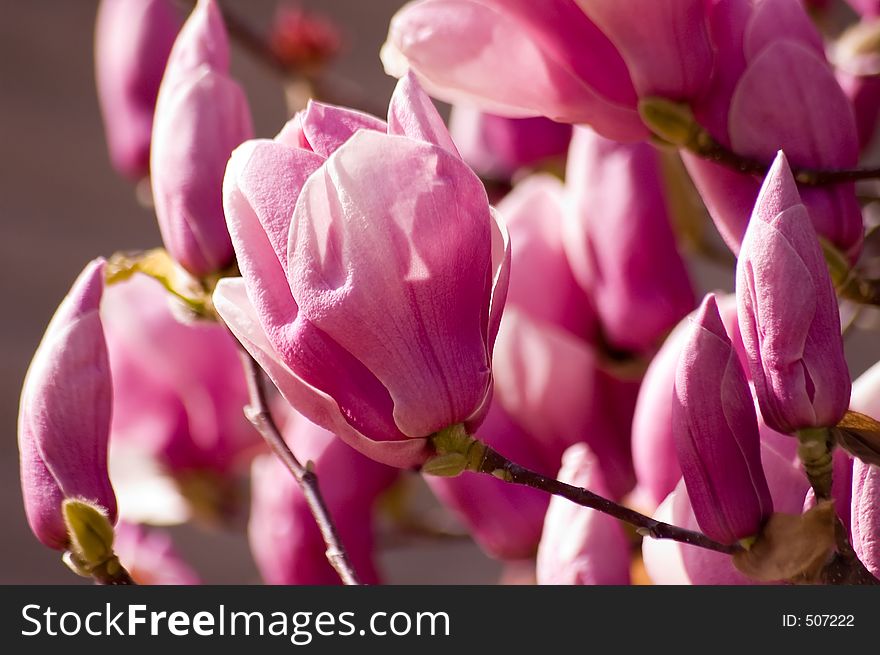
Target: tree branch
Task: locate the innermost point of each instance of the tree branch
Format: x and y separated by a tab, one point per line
499	466
259	415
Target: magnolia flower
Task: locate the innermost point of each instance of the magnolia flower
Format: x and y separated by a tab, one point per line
771	67
132	41
575	62
654	457
580	545
671	562
788	312
374	273
551	379
64	416
201	116
716	433
616	208
179	388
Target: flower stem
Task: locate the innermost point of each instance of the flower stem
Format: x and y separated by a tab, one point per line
501	467
457	451
259	415
114	575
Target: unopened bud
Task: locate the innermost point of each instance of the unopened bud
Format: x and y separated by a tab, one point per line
91	533
673	122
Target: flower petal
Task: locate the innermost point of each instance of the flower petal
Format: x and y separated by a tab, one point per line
326	127
235	308
411	113
393	264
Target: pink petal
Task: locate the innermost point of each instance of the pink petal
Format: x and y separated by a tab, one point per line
393	263
233	305
411	113
667	48
785	80
263	181
542	284
327	127
202	41
565	68
579	545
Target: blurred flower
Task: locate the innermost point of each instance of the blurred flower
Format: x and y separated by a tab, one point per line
285	540
867	8
150	558
856	58
376	317
574	73
580	545
496	147
620	243
132	41
788	312
302	40
201	116
179	390
716	433
64	416
549	374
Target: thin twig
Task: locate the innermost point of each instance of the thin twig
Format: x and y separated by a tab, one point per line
499	466
704	145
259	415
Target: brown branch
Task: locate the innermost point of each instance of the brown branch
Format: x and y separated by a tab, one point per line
846	568
259	415
674	123
456	451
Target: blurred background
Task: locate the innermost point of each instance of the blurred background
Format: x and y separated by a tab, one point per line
61	204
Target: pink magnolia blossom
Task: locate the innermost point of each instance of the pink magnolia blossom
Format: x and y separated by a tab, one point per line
285	540
716	433
670	562
566	68
771	66
788	312
550	378
132	41
654	457
179	388
496	147
575	62
579	545
620	243
201	116
64	416
374	273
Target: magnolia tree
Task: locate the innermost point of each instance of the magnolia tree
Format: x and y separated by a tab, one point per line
500	305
